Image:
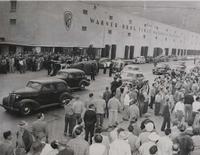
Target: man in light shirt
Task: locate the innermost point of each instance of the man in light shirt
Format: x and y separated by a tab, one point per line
127	101
98	148
195	107
179	109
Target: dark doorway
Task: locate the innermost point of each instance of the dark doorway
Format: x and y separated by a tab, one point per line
107	50
157	51
185	52
179	52
113	51
144	51
103	52
126	52
166	51
131	52
173	51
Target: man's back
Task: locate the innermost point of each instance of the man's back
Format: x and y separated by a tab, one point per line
90	117
79	146
100	105
6	148
119	147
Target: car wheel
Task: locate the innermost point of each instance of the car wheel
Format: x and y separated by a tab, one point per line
26	109
64	98
82	85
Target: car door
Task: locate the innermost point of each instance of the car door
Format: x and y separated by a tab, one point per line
48	94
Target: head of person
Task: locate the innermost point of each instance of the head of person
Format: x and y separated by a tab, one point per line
7	135
149	126
98	138
98	130
91	95
107	88
121	134
167	131
115	78
22	125
54	144
196	131
130	128
40	116
182	127
78	131
91	106
153	150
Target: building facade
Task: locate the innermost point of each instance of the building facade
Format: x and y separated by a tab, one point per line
52	25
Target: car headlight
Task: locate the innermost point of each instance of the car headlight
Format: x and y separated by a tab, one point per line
17	96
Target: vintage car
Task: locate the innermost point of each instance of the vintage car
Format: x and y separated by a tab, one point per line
131	68
161	69
119	64
38	94
140	60
104	62
75	78
85	66
128	75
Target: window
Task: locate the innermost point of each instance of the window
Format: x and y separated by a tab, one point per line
109	31
48	87
115	24
84	28
130	21
60	86
12	21
129	34
85	12
123	26
111	17
13	6
144	36
127	27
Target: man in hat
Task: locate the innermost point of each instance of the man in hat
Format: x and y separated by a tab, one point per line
40	128
146	147
106	97
90	120
24	139
120	145
114	86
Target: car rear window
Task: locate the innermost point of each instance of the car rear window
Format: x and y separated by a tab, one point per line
60	86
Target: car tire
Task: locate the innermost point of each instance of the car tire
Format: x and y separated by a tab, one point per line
82	86
26	109
63	98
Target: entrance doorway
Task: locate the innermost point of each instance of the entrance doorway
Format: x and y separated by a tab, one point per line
173	51
166	51
144	51
126	52
131	52
113	51
157	51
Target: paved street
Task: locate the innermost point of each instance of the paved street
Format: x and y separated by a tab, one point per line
55	116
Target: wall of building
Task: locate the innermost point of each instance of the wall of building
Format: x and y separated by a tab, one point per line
42	24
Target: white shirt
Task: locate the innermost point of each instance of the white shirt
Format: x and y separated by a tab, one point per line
179	107
48	150
127	99
195	106
97	149
120	147
165	145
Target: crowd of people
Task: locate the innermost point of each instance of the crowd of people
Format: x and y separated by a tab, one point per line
174	99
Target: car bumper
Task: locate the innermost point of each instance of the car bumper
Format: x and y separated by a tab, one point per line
9	108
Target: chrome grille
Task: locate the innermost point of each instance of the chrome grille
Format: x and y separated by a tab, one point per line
11	99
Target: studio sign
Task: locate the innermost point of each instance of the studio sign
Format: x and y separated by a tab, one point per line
68	19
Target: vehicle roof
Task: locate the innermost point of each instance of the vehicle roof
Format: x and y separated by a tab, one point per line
47	80
132	65
134	72
71	70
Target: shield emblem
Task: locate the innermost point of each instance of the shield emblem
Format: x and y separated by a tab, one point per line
68	19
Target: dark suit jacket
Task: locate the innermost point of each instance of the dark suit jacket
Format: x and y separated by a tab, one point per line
90	117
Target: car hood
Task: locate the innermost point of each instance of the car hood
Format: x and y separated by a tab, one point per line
25	90
60	77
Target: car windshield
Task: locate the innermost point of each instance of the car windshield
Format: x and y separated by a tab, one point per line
34	85
62	73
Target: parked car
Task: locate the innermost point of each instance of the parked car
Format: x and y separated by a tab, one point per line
37	94
75	78
119	64
161	69
131	68
149	59
86	66
104	61
128	75
140	60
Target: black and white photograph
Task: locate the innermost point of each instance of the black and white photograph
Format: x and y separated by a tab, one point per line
87	77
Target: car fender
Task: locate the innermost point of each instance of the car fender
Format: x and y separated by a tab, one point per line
33	103
65	93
